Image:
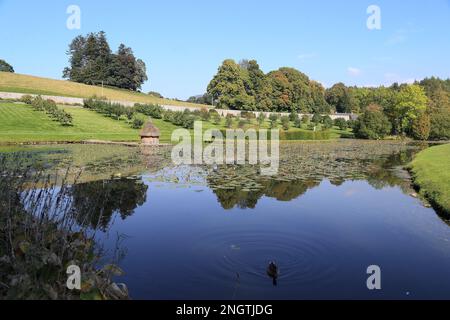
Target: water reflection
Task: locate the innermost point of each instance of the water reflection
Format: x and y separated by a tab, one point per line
332	210
99	201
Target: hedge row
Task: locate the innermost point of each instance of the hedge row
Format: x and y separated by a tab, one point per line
50	108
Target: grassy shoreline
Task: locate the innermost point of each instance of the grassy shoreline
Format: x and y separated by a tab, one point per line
431	175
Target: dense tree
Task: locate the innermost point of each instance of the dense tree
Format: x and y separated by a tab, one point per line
205	99
244	86
228	88
440	125
421	127
92	61
338	96
372	125
410	102
5	66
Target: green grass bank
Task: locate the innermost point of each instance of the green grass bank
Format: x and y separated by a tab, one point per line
431	174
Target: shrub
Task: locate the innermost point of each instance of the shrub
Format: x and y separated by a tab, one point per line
130	112
293	116
372	125
317	118
137	123
327	122
27	99
151	110
188	121
273	120
205	115
341	123
305	119
51	109
216	118
297	122
285	122
229	121
261	118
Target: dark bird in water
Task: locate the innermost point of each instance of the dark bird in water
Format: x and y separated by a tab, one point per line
273	272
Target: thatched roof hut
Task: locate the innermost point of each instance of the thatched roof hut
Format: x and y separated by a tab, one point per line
150	134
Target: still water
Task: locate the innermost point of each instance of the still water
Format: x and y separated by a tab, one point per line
333	211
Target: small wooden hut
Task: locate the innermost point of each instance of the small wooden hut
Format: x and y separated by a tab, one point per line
150	134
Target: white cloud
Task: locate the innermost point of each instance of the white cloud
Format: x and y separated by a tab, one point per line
354	72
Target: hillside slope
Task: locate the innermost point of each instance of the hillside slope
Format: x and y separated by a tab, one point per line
19	83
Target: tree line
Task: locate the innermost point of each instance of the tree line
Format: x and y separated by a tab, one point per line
420	110
93	62
244	86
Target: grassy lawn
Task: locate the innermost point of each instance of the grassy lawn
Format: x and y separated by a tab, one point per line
431	173
13	82
20	123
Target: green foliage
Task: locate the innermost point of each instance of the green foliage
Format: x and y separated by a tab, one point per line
317	118
293	116
305	119
27	99
297	122
421	127
205	99
228	88
409	103
285	122
217	119
245	87
92	62
373	125
182	119
109	109
339	97
51	109
440	125
137	123
5	66
273	120
151	110
156	94
341	123
229	121
261	119
327	122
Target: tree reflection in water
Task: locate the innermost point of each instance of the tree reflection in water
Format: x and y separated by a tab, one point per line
98	201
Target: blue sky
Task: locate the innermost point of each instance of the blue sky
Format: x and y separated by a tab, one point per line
184	42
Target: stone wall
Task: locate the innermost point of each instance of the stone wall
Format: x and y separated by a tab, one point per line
224	113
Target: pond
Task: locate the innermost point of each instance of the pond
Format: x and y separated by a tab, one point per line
334	209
